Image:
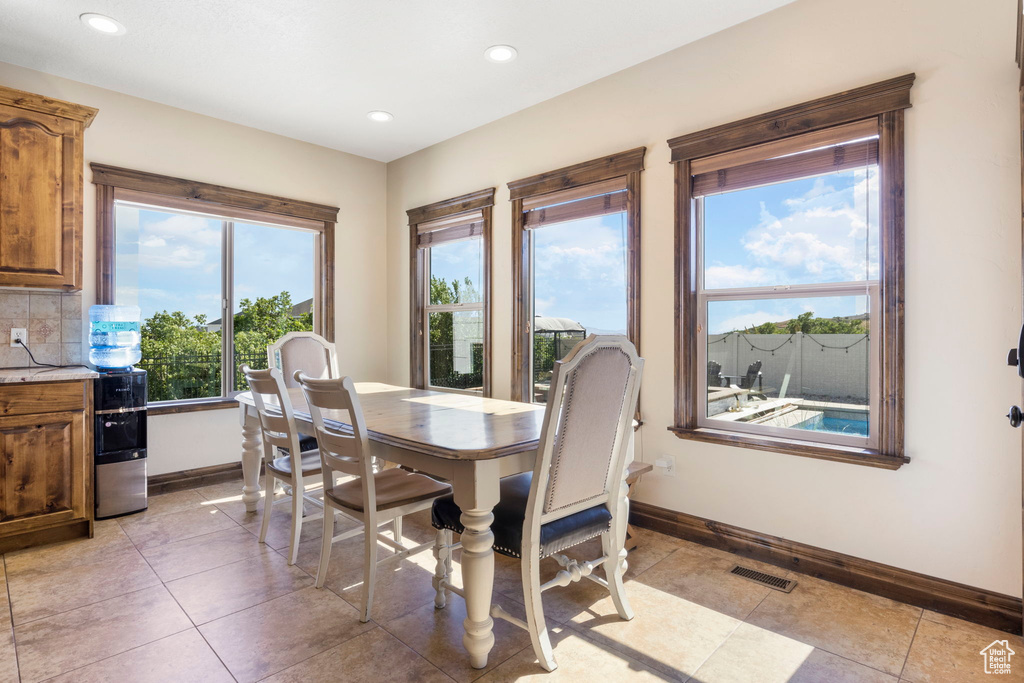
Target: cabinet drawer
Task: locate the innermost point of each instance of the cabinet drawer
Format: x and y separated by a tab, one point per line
35	398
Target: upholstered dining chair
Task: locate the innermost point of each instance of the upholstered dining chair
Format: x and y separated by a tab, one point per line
372	498
306	351
283	458
575	492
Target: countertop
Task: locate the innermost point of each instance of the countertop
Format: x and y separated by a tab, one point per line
17	375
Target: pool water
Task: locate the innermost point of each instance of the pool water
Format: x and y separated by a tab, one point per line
841	425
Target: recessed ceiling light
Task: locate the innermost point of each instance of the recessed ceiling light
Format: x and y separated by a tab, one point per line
380	116
103	24
500	53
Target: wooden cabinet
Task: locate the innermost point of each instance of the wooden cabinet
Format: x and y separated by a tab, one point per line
46	463
41	161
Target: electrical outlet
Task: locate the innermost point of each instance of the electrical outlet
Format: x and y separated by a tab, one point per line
18	333
667	465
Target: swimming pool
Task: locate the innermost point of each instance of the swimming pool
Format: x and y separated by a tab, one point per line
841	425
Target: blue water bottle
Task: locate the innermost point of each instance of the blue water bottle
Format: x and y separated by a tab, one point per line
114	338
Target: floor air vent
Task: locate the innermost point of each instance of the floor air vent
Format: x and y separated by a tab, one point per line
779	584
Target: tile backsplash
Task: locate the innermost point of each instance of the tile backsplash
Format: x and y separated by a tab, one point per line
53	321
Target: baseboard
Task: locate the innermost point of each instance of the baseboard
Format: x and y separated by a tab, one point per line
189	479
977	605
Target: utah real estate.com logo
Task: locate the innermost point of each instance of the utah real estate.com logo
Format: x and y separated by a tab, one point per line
997	657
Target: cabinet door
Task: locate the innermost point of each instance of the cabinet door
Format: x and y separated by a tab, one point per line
40	199
42	470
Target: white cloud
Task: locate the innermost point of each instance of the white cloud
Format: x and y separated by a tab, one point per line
728	277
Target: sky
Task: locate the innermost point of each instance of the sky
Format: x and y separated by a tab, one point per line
172	262
808	231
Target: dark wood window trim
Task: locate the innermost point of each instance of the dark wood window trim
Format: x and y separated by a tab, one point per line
885	102
478	203
627	165
164	191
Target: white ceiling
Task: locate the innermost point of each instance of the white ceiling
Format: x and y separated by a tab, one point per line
312	69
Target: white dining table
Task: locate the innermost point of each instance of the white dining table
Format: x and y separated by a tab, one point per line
469	440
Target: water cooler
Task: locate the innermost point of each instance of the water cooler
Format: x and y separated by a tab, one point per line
120	433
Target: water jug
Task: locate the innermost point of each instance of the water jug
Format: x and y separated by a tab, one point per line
114	339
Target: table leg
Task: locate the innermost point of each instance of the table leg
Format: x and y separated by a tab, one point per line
476	493
250	460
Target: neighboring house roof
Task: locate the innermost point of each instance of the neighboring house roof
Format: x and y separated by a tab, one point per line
543	323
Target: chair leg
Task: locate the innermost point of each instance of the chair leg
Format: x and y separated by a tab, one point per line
293	543
268	506
325	546
443	569
369	567
397	524
535	613
614	567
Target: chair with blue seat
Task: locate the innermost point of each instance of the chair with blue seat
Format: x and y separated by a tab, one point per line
306	351
575	492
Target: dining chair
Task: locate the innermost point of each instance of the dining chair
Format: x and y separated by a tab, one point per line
370	497
575	492
306	351
283	458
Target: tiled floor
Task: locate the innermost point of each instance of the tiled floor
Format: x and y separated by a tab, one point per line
184	592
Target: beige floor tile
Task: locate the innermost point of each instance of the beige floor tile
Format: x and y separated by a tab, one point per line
946	649
165	503
182	657
667	633
147	532
437	635
108	537
200	553
52	646
401	587
866	628
233	587
373	656
701	575
275	635
8	654
37	594
754	654
346	566
578	659
280	529
228	497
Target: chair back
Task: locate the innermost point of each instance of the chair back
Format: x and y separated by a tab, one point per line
714	374
345	451
274	407
585	439
306	351
752	372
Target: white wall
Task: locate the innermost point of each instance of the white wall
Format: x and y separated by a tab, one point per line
143	135
954	512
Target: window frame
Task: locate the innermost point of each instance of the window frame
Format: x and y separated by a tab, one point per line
473	207
231	205
627	165
883	102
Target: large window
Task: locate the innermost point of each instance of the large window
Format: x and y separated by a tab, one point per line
576	259
215	284
450	340
791	268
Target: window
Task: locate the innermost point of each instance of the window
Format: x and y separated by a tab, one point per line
790	265
450	296
215	283
576	259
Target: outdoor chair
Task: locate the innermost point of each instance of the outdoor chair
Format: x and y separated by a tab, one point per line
747	381
575	492
714	374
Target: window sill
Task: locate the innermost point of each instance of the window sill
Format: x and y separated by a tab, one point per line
191	406
820	451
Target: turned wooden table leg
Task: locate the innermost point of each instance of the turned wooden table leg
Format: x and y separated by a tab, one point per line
250	460
476	493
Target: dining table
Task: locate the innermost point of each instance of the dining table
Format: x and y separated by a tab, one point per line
467	439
